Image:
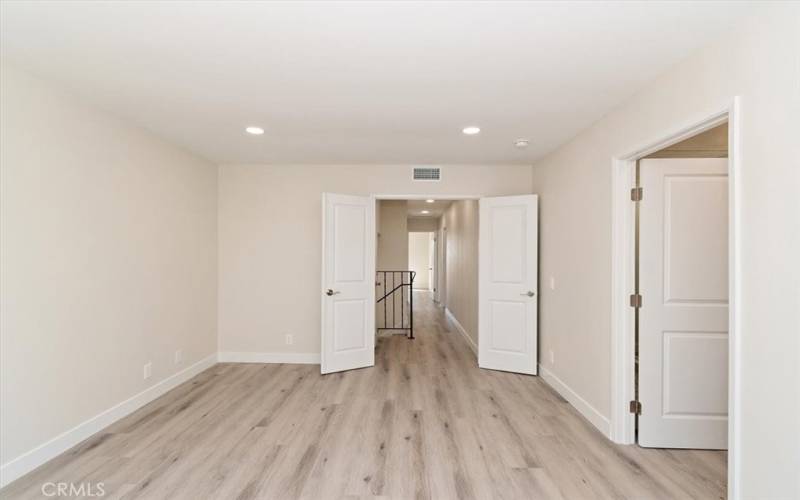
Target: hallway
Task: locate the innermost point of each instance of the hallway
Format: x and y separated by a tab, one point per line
425	422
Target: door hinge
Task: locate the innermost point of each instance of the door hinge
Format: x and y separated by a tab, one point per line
636	300
635	407
637	194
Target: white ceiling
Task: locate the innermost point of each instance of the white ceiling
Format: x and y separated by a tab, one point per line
355	82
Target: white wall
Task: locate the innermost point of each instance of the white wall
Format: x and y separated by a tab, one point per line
461	223
108	262
269	266
392	219
392	235
418	258
762	65
423	224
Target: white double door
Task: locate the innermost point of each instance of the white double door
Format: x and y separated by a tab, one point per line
507	287
683	321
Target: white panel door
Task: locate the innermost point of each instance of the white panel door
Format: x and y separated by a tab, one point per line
683	321
418	259
431	262
507	279
348	279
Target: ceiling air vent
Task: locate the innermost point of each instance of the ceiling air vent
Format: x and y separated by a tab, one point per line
427	174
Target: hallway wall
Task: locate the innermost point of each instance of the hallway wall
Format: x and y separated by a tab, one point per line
392	220
461	223
423	224
270	227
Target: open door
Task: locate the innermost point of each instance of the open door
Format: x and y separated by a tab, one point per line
432	262
507	284
683	320
348	279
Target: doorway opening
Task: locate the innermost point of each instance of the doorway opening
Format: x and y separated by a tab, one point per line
675	290
410	252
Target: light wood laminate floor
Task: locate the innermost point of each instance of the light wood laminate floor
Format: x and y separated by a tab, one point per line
425	422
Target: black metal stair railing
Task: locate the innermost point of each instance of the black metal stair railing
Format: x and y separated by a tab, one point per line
392	286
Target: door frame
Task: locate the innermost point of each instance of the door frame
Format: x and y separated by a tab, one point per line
622	268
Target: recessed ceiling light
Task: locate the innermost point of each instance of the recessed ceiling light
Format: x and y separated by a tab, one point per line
429	201
425	212
521	143
254	130
471	130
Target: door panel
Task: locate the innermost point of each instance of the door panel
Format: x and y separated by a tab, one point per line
349	243
695	367
696	272
348	311
504	321
348	325
507	284
508	239
683	321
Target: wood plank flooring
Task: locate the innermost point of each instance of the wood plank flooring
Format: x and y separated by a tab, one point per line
425	422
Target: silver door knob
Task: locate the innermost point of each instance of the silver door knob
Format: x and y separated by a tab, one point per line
528	293
330	292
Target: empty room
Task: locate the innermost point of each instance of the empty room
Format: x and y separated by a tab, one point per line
400	249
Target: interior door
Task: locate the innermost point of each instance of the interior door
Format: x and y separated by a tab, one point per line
348	279
683	320
441	285
418	248
507	284
431	261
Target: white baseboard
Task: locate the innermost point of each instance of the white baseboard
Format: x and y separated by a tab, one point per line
461	330
588	411
27	462
303	358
